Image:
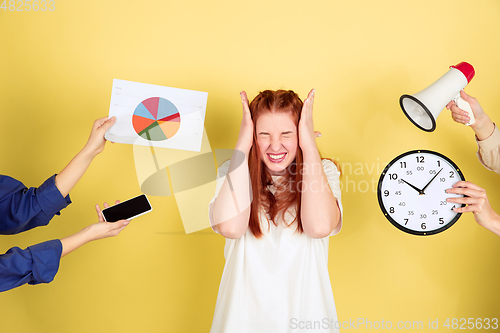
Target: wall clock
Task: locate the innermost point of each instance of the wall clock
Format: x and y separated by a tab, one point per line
411	192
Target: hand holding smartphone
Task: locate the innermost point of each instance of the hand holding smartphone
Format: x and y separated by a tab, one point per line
128	209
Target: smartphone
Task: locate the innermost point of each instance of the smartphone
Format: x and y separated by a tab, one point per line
128	209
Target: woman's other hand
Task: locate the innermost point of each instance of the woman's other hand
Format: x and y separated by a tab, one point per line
245	137
307	135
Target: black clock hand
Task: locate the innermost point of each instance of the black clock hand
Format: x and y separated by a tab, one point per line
431	181
414	187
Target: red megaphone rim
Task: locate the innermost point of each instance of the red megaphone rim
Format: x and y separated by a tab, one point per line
466	69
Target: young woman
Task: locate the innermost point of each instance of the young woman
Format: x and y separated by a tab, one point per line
276	203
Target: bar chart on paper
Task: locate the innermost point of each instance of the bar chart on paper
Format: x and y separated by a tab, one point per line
156	119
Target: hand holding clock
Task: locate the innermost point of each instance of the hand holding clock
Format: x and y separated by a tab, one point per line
478	203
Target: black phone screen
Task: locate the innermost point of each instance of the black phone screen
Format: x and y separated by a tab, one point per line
127	209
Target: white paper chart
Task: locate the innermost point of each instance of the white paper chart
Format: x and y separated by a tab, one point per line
158	116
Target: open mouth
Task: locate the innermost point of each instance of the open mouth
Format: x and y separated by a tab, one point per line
276	158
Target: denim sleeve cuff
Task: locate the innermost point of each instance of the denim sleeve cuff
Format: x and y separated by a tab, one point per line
50	199
46	257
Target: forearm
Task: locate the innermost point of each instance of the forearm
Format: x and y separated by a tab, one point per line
73	172
231	209
320	213
493	224
71	243
483	127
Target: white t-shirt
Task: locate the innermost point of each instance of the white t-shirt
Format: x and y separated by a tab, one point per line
279	282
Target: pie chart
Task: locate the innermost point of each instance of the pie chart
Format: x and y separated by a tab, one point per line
156	119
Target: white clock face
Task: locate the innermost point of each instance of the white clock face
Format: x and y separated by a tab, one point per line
411	192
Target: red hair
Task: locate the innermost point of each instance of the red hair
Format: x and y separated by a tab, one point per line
288	192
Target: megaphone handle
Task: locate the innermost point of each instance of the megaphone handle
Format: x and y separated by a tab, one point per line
466	107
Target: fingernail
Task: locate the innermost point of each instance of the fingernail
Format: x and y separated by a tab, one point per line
126	222
319	135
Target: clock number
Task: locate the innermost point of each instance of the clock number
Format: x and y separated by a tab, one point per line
402	203
406	221
409	173
442	180
434	212
391	210
439	163
423	216
397	193
423	226
441	220
452	174
403	164
420	168
410	212
443	203
432	172
386	193
420	159
393	176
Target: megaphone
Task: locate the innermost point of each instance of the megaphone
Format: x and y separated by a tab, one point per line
424	107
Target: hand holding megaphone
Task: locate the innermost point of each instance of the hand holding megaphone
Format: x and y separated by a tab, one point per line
461	104
483	126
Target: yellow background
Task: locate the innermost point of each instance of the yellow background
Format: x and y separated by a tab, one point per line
56	72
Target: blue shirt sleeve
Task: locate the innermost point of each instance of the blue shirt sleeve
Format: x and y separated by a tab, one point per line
24	208
37	264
